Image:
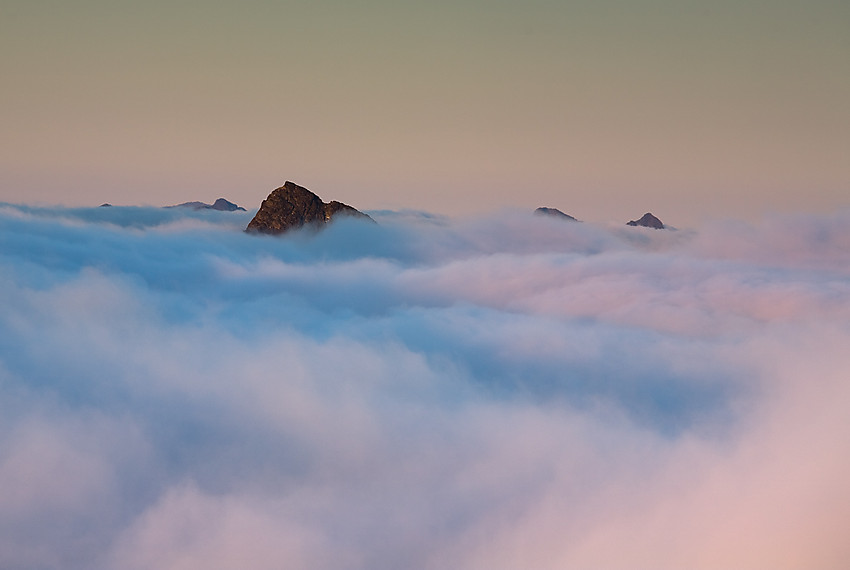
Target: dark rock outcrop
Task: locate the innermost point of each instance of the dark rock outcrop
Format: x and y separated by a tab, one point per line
105	205
555	213
221	205
647	221
292	206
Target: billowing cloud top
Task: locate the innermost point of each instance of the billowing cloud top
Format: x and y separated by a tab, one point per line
500	392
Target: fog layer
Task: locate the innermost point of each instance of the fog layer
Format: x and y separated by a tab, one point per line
506	392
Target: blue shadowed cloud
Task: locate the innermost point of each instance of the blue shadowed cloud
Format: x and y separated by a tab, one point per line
502	391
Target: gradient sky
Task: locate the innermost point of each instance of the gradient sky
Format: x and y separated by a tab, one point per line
603	109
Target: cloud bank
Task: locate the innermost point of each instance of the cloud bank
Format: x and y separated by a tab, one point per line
500	392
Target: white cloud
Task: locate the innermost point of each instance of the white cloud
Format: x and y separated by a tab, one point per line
501	392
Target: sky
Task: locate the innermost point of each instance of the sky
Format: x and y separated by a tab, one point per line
498	392
606	110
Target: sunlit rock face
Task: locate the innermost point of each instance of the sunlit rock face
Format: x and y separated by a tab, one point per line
647	221
292	206
555	213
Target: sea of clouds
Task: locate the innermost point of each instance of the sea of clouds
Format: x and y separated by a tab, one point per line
501	392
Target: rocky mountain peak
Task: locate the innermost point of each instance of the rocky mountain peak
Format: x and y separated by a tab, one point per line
221	204
647	221
225	206
292	206
555	213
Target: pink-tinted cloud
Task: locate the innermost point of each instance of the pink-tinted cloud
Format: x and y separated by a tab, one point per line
502	393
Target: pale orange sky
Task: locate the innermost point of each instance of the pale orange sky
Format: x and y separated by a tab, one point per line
602	109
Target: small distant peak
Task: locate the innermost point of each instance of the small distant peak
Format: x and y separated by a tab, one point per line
647	221
191	205
105	205
555	213
221	205
226	206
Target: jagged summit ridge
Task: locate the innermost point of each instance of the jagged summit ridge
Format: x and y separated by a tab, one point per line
292	206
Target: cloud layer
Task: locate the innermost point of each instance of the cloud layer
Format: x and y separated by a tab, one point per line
500	392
